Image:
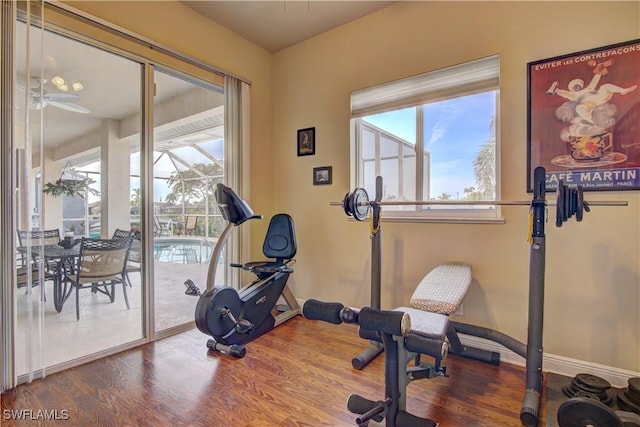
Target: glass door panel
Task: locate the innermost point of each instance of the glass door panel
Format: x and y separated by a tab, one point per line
188	162
79	115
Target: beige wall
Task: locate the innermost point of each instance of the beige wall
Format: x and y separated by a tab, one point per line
593	278
592	274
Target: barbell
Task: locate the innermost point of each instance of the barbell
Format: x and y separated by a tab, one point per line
569	202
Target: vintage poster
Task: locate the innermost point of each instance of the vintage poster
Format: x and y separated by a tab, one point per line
584	118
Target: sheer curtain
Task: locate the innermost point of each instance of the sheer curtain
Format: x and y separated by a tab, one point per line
237	160
21	141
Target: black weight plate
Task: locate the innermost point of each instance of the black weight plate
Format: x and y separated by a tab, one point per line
592	382
624	402
634	384
574	202
587	394
352	198
580	205
559	204
568	390
223	298
567	197
346	204
360	204
567	203
585	412
572	390
633	395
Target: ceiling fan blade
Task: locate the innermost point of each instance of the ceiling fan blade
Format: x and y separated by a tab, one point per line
69	107
61	97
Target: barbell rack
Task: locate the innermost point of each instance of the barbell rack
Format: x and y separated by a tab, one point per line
569	202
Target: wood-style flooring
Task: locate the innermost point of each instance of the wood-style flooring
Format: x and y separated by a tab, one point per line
298	374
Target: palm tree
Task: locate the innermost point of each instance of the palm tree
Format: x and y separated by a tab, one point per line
484	168
444	196
135	201
195	184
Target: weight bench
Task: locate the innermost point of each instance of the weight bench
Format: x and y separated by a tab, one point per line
438	295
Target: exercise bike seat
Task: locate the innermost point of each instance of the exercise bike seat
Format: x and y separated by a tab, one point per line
279	245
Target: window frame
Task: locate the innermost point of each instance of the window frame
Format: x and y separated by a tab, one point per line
366	107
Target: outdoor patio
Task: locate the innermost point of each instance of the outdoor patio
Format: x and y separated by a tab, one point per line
103	324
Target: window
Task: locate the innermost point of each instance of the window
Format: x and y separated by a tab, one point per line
431	137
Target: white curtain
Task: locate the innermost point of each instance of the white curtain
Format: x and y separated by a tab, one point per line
237	161
22	309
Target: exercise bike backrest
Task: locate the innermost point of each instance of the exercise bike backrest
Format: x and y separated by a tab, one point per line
280	240
233	208
279	243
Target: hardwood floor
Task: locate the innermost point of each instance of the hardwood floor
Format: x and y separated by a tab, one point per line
299	374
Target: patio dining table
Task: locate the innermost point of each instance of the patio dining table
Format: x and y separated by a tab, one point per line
65	261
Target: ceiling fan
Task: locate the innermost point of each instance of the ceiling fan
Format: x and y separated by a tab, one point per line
40	98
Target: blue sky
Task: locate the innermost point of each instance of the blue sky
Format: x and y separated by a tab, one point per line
454	131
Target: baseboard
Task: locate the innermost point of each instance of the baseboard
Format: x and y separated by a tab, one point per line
553	363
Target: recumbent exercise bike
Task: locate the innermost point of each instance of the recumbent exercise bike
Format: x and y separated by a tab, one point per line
234	317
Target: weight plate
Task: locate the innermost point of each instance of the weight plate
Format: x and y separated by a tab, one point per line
570	390
626	404
585	412
587	394
567	197
580	204
360	204
633	396
573	390
634	384
631	399
592	382
223	299
559	204
346	204
574	202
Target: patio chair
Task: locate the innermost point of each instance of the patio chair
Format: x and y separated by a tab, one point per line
101	265
37	237
159	229
22	278
190	225
135	256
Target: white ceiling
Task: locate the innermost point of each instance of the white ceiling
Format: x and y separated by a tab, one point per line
276	25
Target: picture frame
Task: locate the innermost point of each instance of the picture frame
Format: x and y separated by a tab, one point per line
306	141
322	175
582	114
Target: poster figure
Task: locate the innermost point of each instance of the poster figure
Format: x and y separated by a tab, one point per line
587	134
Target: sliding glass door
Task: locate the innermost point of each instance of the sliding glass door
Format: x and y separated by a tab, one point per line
188	160
104	141
78	108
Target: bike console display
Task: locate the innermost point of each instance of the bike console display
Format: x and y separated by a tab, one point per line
233	208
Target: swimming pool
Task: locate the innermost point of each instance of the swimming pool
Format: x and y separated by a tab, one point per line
182	250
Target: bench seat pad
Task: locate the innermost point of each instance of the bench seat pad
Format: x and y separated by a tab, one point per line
425	323
443	288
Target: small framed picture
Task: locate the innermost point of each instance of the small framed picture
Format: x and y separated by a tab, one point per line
306	142
322	175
